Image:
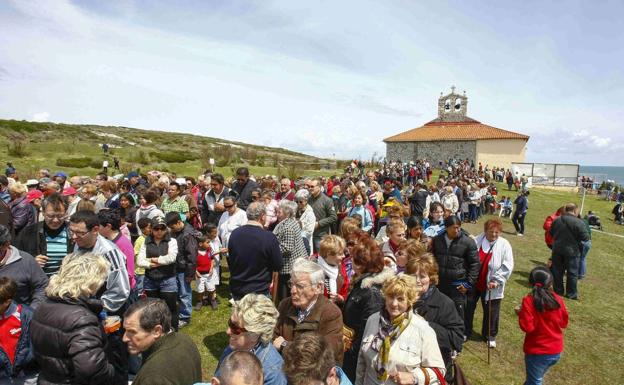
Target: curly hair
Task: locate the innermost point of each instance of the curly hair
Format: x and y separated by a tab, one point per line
424	262
308	358
401	285
79	276
258	315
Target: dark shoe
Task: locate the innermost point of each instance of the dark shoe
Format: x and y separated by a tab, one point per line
213	304
572	297
199	305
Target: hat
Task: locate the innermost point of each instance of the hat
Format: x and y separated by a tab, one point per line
33	194
158	221
61	174
181	181
69	191
420	181
32	182
133	174
44	180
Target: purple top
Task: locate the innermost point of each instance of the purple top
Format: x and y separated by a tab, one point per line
124	244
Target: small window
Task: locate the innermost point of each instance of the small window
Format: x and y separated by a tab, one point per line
447	105
457	105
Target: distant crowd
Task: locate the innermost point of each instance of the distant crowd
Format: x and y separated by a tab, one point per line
363	278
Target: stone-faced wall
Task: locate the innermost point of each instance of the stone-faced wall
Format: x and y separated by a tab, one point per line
434	152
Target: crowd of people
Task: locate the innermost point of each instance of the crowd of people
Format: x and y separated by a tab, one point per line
352	279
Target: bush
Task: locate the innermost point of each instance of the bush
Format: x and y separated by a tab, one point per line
17	145
174	157
75	162
141	157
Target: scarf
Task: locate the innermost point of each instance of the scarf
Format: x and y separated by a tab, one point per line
388	332
331	272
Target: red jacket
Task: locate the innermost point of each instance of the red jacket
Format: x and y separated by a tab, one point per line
547	225
544	331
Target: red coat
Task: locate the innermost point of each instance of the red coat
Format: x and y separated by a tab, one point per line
544	331
547	225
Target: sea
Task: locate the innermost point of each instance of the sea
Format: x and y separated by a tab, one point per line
602	173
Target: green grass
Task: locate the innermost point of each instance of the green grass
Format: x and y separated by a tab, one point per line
593	340
183	154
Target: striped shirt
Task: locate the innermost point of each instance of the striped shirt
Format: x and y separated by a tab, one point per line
56	251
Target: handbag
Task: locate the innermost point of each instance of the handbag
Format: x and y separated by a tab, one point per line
348	335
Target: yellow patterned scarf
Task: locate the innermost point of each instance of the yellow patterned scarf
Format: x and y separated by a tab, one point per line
389	331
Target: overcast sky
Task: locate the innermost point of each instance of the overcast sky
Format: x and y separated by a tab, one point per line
322	77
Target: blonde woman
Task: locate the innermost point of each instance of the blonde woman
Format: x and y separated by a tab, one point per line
398	346
67	337
250	328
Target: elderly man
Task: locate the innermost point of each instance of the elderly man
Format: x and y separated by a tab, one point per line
307	310
22	268
324	211
48	241
168	357
568	231
243	186
254	254
285	191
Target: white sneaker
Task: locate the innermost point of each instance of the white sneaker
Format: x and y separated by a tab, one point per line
520	234
491	344
182	324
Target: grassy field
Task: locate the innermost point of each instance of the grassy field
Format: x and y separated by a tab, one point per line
76	149
594	338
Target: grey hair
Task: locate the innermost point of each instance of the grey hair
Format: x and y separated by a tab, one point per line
360	184
285	180
289	208
258	314
255	210
302	265
302	194
153	311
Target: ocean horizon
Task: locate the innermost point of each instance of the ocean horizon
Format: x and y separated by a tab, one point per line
602	173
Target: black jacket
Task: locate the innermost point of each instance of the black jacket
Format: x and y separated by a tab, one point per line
568	231
439	310
365	299
186	260
244	193
69	343
32	239
459	261
153	250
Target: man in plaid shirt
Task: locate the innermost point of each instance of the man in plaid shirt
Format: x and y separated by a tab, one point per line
174	202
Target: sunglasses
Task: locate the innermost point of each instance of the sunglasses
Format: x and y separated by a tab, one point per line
159	229
235	329
228	206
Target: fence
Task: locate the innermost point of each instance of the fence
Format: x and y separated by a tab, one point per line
548	174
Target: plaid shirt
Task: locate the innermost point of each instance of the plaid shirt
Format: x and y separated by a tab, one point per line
288	233
178	205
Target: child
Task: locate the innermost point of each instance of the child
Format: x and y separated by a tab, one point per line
390	249
17	361
331	257
218	251
506	206
145	229
204	273
542	316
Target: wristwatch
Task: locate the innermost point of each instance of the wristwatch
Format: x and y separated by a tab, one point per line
283	345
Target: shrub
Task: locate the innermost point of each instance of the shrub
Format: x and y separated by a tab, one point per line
75	162
140	156
16	145
174	157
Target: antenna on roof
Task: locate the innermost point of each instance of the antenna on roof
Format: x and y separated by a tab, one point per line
453	90
464	92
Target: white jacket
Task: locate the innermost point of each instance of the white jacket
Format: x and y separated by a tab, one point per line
501	264
416	348
228	223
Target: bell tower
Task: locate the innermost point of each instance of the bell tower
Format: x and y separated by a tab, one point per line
452	107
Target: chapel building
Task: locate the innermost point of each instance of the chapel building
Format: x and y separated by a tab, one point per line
454	135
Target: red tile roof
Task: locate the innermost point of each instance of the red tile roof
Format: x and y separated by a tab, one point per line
449	131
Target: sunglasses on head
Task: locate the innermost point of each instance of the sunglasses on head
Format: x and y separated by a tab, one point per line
236	330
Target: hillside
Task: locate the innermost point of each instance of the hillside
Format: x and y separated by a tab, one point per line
77	149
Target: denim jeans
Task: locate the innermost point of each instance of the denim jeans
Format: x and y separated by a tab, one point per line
473	212
568	266
537	365
186	298
583	263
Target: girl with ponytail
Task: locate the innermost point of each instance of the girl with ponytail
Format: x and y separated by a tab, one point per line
542	316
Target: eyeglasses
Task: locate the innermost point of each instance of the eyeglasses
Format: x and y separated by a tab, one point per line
159	229
228	207
58	217
300	201
298	286
78	234
235	329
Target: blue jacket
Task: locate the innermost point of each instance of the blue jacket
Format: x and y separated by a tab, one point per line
344	380
24	357
271	364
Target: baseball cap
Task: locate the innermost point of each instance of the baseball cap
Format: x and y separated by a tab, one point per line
61	174
133	174
32	182
69	191
33	194
158	221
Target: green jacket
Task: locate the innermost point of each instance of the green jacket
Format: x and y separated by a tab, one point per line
172	360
